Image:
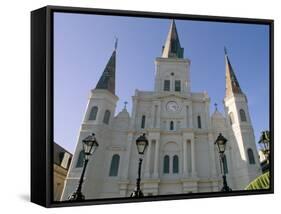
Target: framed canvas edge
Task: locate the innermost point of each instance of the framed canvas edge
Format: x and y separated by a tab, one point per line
153	14
47	93
38	154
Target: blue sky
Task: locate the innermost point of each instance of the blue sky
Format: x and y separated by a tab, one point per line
83	44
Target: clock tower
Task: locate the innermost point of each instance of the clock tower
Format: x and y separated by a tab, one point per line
172	70
166	115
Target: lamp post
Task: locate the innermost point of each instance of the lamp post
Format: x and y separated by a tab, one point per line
142	144
221	143
90	145
264	142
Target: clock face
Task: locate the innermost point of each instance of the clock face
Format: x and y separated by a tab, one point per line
172	106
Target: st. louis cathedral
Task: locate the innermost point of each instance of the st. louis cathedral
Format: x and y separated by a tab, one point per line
181	156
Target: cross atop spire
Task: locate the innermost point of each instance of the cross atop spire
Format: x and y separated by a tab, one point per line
107	80
125	104
225	51
216	107
172	47
232	84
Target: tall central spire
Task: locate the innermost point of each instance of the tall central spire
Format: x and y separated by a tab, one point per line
107	80
232	85
172	47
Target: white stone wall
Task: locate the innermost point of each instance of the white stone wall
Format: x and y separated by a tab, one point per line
163	69
199	164
242	137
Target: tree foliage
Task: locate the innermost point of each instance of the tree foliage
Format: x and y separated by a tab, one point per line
261	182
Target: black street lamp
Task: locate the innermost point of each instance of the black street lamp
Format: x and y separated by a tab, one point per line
221	143
142	144
264	142
90	145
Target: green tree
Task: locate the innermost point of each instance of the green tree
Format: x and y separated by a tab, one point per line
261	182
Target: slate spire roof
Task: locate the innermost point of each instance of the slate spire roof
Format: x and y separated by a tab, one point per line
232	84
107	80
172	47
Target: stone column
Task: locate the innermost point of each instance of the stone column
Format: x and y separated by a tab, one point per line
193	162
185	170
190	116
156	159
187	117
158	114
155	116
212	155
172	87
133	118
153	122
207	114
126	159
147	163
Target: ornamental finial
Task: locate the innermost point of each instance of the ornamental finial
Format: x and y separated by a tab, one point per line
125	104
216	107
225	51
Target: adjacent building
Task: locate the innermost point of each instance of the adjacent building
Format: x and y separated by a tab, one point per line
62	160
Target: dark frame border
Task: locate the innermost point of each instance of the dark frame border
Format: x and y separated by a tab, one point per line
42	103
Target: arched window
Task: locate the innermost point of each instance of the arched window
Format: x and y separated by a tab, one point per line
242	115
199	122
175	164
166	164
177	85
114	165
106	117
143	121
80	160
225	167
251	157
93	113
172	125
166	85
231	118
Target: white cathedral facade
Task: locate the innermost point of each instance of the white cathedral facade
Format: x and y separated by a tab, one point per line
181	156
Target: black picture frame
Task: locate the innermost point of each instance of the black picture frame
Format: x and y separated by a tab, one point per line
42	103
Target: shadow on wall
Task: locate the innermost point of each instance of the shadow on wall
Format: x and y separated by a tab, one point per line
24	197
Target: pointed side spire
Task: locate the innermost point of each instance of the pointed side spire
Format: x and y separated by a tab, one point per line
107	80
232	84
116	43
172	47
